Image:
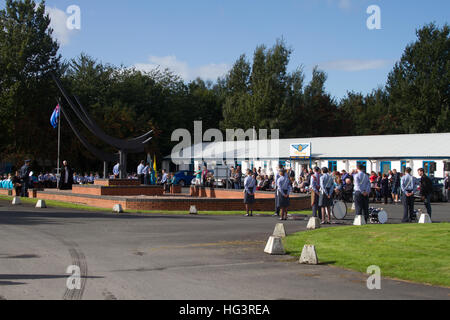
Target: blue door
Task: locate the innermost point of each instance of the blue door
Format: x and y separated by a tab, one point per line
385	167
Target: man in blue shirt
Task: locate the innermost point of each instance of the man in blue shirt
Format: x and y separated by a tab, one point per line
408	185
116	171
140	171
362	192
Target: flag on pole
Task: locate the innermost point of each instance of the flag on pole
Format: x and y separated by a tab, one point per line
155	167
54	120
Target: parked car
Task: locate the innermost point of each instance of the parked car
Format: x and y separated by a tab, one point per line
184	178
438	191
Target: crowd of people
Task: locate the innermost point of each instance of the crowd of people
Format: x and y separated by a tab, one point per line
325	187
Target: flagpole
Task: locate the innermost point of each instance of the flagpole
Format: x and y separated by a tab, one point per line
58	170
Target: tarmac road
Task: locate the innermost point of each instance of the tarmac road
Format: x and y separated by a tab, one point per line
171	257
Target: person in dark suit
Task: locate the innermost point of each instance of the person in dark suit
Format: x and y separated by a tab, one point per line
426	190
17	184
66	180
25	178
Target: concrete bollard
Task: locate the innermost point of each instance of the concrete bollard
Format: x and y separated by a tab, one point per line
313	224
275	246
193	210
118	208
16	201
41	204
359	221
309	255
279	231
425	218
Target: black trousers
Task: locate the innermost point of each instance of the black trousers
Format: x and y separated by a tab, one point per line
362	205
408	208
142	178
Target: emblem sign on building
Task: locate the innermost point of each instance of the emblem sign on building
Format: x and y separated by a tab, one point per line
300	151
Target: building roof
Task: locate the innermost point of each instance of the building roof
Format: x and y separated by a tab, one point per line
436	146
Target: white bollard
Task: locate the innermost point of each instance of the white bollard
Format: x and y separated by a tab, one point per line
359	221
309	255
425	218
193	210
118	208
275	246
279	231
41	204
16	201
313	224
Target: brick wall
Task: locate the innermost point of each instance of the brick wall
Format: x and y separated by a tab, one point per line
183	204
118	191
116	182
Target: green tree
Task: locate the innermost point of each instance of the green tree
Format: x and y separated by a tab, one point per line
418	86
28	54
263	95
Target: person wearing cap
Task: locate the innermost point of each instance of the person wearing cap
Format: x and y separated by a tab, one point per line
25	178
249	193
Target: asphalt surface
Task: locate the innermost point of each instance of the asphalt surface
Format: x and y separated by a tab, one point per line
172	258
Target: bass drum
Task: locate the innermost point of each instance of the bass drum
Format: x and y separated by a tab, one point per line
383	217
339	210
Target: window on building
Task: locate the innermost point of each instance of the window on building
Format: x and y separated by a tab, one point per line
403	166
429	167
332	166
364	165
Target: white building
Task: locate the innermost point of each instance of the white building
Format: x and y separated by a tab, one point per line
376	153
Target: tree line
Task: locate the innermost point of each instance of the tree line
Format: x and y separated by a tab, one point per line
258	92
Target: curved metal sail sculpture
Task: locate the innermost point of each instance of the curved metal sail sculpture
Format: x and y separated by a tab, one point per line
124	147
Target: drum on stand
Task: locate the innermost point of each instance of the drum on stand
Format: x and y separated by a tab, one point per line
383	217
378	216
339	210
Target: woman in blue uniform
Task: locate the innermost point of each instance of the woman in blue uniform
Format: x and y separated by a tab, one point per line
249	193
284	189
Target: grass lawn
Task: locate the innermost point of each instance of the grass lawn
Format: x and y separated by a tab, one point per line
67	205
414	252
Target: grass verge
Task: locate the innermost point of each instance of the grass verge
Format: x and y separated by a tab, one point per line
413	252
68	205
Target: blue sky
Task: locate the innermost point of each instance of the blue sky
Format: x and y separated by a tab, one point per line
205	37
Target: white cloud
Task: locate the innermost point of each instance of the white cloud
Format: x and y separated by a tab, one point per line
59	25
207	72
354	65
